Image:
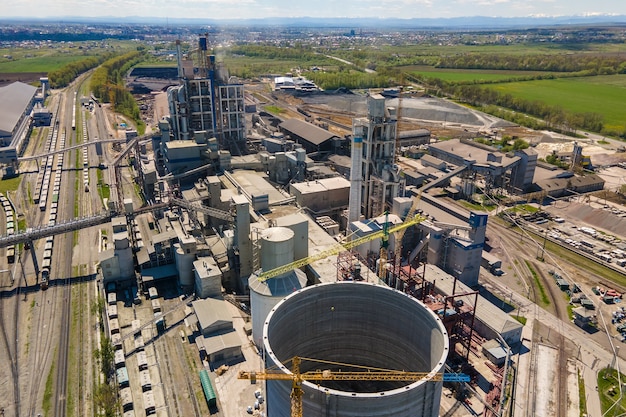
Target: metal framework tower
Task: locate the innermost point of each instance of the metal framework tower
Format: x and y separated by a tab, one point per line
207	101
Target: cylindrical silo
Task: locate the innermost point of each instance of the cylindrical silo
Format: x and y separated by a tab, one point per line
184	265
276	247
276	250
360	324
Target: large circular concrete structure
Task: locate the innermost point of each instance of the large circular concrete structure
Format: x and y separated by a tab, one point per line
362	324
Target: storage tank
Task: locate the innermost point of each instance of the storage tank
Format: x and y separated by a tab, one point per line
362	324
276	250
299	224
184	265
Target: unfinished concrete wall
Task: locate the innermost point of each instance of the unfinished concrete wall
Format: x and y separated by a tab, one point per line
362	324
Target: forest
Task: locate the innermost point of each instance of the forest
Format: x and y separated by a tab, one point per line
63	76
107	84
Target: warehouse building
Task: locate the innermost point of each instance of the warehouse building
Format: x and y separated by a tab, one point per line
414	137
322	196
16	104
218	341
511	170
558	187
312	138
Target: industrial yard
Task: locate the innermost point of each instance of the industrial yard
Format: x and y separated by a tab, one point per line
356	254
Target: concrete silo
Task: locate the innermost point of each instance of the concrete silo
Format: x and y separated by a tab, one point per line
277	249
361	324
184	257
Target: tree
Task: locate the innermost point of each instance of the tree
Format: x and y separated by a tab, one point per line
105	398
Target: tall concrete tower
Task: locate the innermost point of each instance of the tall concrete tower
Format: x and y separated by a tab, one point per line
380	177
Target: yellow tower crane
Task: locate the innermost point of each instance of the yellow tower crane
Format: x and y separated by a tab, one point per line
334	250
367	374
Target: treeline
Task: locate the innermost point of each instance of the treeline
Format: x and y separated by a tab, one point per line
107	84
63	76
594	64
298	52
351	80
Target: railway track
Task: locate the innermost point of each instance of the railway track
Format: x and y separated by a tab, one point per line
9	325
63	350
64	269
520	252
183	366
163	359
38	358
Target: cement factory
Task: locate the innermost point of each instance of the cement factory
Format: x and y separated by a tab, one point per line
318	263
362	270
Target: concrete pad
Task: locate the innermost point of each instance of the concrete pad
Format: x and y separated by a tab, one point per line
573	400
545	367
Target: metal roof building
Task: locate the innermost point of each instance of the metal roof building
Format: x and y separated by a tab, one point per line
311	137
16	104
212	316
322	195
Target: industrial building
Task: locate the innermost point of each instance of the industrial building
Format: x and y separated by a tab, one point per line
264	231
374	175
207	101
16	104
512	171
313	139
559	187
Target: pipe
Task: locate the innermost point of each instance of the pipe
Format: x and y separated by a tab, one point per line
179	62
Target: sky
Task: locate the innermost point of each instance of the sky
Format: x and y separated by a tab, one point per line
245	9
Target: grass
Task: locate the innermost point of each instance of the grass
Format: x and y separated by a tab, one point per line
47	394
570	312
10	184
521	319
38	63
599	94
477	206
545	301
524	207
274	109
590	266
608	390
582	399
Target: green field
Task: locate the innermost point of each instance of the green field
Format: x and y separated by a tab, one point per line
605	95
37	63
461	75
45	60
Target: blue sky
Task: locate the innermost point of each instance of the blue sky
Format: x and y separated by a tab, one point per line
228	9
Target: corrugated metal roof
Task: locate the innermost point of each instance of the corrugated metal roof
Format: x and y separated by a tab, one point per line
216	344
14	98
307	131
211	311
